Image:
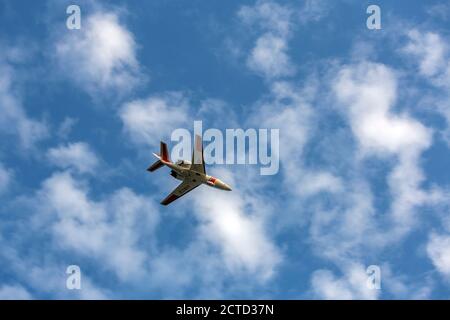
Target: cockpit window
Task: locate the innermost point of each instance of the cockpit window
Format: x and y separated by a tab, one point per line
183	162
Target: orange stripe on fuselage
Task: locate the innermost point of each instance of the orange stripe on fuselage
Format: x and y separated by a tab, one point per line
212	180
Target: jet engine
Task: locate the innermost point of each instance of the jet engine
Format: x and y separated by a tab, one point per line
174	174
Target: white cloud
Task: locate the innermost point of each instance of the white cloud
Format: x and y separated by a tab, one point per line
146	121
340	233
229	221
231	250
315	182
231	241
314	10
352	285
14	120
101	56
367	92
108	230
288	109
403	287
171	270
76	155
269	56
5	178
269	16
15	292
430	50
439	11
438	250
66	127
45	277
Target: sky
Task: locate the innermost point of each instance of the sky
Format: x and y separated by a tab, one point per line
364	129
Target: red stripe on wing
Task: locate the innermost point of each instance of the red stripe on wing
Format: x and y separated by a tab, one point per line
169	199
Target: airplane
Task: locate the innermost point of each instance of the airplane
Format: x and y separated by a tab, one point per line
192	173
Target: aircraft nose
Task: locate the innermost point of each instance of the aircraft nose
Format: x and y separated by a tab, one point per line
222	185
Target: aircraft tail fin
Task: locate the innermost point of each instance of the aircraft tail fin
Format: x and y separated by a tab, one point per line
163	155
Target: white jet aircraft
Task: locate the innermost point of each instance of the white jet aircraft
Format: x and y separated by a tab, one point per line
192	174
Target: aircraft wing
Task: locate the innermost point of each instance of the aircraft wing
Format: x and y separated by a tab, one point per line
198	163
180	191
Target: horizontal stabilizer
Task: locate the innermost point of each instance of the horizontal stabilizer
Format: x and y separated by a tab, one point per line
158	164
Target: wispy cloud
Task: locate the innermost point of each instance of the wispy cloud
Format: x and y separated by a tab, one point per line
369	91
431	53
438	250
77	155
352	284
241	234
269	55
14	120
146	120
5	178
14	292
105	229
101	56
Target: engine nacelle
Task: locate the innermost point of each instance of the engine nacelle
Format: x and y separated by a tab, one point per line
174	174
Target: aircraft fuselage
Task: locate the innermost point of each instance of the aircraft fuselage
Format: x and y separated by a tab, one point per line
191	174
183	172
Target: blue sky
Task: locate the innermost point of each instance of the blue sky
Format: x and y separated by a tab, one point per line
364	149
